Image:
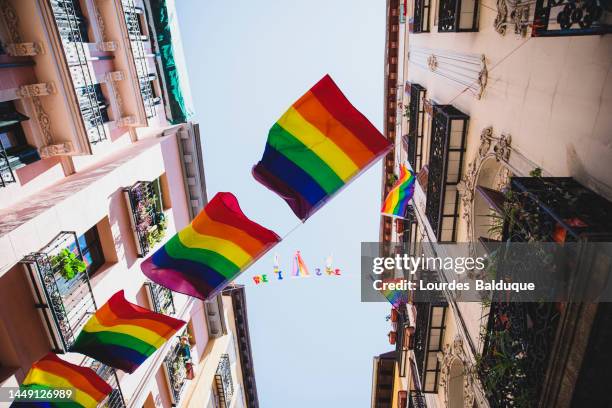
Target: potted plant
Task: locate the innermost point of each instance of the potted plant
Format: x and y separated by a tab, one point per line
68	264
392	337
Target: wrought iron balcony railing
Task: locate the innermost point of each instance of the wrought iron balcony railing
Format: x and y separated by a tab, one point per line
448	142
178	369
429	334
417	400
570	17
416	118
115	398
223	382
148	220
73	32
6	172
161	299
64	303
458	15
137	43
420	18
520	337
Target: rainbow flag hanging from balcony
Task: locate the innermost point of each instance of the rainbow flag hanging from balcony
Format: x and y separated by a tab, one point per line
395	297
213	250
400	195
123	335
318	146
299	268
52	373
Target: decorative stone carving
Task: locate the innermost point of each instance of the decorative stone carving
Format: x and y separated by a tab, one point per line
519	17
106	46
14	45
451	353
432	62
43	120
24	49
126	121
483	76
114	76
42	89
490	146
56	150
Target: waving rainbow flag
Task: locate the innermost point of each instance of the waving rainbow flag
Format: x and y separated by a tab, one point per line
300	270
317	147
400	195
214	249
123	335
53	373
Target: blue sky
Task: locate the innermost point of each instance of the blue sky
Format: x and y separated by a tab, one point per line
313	340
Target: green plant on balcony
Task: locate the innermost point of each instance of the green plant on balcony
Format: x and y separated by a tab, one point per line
407	111
68	264
391	179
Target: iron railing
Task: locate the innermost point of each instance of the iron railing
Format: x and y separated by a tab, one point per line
115	398
430	317
448	143
458	15
177	371
420	18
161	298
417	400
148	220
223	381
519	336
139	53
73	32
416	118
6	172
65	304
571	17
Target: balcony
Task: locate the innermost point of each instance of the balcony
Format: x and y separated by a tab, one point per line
458	16
526	344
179	368
138	40
417	400
416	118
6	172
429	334
161	299
448	141
108	374
568	17
64	302
223	382
72	29
148	221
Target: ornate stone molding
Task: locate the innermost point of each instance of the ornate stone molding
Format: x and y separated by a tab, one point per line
126	121
43	120
106	46
467	70
56	150
450	354
28	49
491	146
42	89
114	76
518	13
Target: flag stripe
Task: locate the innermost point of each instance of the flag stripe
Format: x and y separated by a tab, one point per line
294	199
224	247
122	340
78	380
332	98
79	396
162	259
294	150
314	112
175	249
177	280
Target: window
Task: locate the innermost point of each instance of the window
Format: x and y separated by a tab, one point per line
91	250
14	150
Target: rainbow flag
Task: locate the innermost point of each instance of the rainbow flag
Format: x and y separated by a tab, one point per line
317	147
123	335
396	297
400	195
52	373
214	249
299	270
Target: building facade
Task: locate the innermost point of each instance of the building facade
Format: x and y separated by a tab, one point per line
488	102
99	161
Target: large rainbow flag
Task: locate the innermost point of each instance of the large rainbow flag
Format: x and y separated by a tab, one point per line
400	195
53	373
123	335
208	254
317	147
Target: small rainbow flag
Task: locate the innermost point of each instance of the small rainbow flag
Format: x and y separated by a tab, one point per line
400	195
299	268
53	373
396	297
214	249
123	335
317	147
